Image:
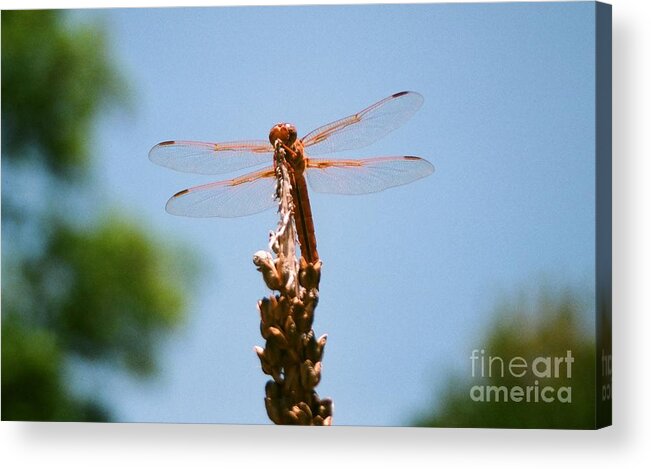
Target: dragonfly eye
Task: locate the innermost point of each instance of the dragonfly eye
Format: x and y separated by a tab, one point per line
286	133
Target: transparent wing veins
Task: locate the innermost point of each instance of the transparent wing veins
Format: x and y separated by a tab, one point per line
244	195
365	127
211	158
365	176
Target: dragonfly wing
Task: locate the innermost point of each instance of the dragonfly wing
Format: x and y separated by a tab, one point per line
211	158
245	195
365	127
365	176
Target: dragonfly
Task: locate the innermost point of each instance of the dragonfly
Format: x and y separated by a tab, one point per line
255	192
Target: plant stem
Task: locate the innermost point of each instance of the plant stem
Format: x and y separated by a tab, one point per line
292	355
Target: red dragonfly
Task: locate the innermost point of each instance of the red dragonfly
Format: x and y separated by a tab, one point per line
254	192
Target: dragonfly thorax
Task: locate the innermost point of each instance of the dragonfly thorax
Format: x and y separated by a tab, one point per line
286	133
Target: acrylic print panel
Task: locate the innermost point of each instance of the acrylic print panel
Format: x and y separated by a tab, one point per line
427	174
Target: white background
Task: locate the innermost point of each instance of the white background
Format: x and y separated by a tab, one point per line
623	445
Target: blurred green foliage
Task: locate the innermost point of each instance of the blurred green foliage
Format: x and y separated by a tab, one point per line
548	326
54	81
100	290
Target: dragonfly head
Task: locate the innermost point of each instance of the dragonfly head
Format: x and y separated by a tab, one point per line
286	133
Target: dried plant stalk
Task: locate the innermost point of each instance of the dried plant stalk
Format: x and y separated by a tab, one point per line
292	354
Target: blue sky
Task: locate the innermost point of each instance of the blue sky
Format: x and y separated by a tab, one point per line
410	275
